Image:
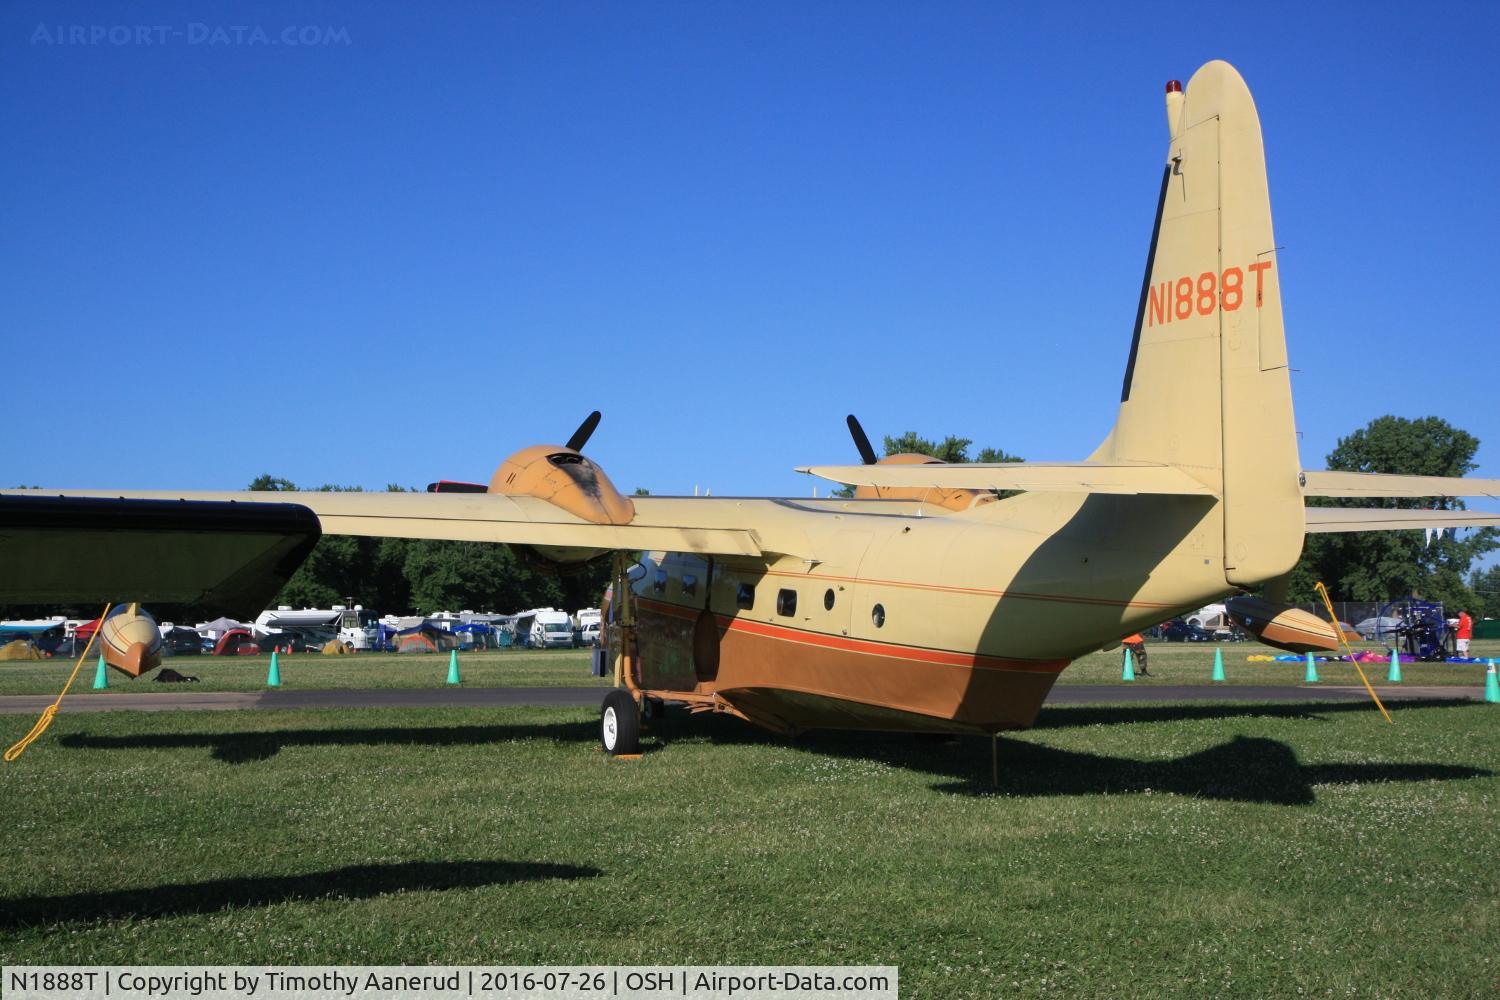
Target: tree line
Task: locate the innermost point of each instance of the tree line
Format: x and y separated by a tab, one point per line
410	576
419	576
1364	566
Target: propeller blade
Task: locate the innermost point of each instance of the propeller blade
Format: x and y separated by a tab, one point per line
584	432
862	443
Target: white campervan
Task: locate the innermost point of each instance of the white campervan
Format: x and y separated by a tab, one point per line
551	629
588	620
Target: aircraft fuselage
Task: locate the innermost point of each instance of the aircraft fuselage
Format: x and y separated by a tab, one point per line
908	620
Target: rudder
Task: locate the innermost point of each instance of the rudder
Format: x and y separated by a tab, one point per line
1206	386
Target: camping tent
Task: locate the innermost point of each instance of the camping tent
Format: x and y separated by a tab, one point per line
234	641
20	649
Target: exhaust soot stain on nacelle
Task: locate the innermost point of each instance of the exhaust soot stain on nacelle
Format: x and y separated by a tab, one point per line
565	478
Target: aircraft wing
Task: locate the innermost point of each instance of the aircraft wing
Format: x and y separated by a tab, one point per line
230	556
1321	520
1374	484
712	526
1038	477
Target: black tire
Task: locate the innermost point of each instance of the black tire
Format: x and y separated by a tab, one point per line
619	723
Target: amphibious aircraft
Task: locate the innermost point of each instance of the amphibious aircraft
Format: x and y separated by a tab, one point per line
925	603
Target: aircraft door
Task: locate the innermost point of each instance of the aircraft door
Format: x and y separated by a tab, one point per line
706	633
831	602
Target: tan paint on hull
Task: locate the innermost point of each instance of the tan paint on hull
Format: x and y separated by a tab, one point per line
131	641
784	677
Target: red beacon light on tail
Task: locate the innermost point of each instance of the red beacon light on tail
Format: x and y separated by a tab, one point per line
1174	107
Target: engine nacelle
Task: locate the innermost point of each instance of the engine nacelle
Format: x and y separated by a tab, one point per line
564	478
130	640
1281	625
938	497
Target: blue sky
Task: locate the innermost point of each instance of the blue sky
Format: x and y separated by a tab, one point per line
424	239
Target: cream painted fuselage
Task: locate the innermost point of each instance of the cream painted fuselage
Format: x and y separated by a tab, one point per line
902	617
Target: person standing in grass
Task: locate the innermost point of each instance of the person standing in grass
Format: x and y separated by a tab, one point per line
1464	633
1136	645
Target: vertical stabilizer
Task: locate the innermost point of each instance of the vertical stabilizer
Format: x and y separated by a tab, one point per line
1206	386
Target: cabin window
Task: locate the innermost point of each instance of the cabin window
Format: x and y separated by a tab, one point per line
878	615
659	583
689	585
744	597
786	602
828	599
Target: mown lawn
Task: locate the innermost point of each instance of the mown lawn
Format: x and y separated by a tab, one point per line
1193	662
1150	851
312	671
1174	663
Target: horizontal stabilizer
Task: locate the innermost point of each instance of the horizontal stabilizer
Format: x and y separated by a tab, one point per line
1036	477
1374	484
1321	520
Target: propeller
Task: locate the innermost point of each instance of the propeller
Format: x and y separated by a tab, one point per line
586	430
862	443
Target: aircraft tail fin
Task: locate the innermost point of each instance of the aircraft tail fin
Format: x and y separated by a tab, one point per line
1206	385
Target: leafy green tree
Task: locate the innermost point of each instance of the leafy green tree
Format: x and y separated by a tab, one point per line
994	456
1485	585
951	449
1379	566
404	575
265	482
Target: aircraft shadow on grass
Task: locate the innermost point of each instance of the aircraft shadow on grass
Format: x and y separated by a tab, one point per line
1245	769
354	882
247	747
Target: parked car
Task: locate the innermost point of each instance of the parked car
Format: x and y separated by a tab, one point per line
1379	628
1178	630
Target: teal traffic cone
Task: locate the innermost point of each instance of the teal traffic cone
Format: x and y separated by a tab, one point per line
1128	674
1393	676
1312	671
1491	685
1218	677
101	675
273	677
453	667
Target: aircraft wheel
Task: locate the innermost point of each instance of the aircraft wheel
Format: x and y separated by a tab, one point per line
619	724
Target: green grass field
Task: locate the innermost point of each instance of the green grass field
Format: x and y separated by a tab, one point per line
495	668
1173	663
1192	663
1251	850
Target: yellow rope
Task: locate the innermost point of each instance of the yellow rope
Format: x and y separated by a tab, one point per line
51	710
1328	602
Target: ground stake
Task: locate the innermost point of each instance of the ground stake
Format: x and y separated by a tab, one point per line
1312	671
273	677
453	666
1218	677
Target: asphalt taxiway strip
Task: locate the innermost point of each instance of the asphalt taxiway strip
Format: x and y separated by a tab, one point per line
1063	694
